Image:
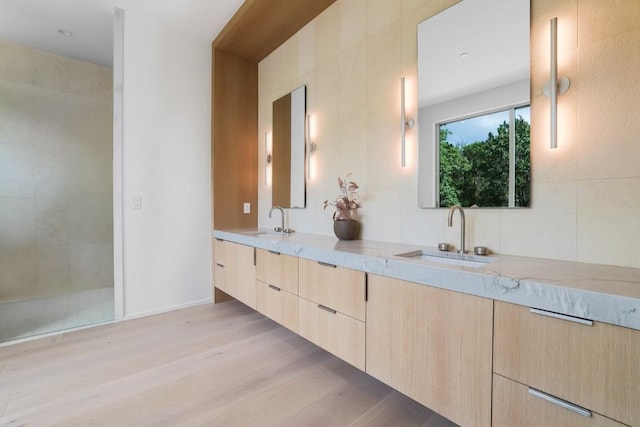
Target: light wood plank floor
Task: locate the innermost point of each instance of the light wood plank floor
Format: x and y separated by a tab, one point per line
222	365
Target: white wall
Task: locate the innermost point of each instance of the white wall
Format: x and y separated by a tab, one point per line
166	146
167	75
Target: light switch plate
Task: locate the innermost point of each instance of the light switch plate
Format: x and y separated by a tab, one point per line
246	208
136	203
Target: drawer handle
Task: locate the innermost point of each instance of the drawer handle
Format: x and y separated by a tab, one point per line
562	316
326	264
274	252
219	265
325	308
560	402
219	239
275	288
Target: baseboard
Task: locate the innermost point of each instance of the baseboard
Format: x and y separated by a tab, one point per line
167	309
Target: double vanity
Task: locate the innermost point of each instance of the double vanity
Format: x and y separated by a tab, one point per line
482	340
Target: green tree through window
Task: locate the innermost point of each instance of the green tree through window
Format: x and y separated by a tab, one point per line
477	173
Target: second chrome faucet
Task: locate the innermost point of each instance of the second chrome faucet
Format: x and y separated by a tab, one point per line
461	249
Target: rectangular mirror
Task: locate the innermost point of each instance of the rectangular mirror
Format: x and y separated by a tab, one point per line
289	149
473	101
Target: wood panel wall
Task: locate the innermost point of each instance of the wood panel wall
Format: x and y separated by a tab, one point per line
234	140
257	28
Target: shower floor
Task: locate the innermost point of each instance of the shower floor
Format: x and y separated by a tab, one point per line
22	319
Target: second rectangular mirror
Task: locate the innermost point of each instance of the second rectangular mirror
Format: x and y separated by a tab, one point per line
473	100
289	149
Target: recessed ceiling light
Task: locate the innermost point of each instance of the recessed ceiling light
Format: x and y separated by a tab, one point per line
65	33
464	55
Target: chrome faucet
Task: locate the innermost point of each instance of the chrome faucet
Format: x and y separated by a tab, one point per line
281	229
282	216
461	250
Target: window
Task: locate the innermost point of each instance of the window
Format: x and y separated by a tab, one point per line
483	162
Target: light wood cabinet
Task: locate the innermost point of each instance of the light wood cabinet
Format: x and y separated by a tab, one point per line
514	405
235	271
278	304
244	274
594	366
333	309
473	360
221	279
336	332
432	345
277	284
277	269
341	289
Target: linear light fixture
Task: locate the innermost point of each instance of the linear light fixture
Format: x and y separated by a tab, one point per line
554	86
268	157
404	125
312	147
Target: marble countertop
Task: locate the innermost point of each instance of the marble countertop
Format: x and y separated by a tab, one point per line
599	292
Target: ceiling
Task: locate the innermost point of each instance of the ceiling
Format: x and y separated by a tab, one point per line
35	23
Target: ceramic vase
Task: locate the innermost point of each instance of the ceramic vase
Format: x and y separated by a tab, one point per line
346	229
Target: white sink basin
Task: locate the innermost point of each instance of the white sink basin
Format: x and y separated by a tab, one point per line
255	233
264	233
447	258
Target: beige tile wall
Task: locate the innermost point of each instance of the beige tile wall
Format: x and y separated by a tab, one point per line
586	193
56	226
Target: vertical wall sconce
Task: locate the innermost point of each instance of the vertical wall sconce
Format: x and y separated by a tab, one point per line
312	147
268	157
554	86
404	125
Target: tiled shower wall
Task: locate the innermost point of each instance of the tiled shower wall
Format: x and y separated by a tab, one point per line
56	221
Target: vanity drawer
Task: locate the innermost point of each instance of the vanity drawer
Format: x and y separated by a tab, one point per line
595	366
515	405
340	335
277	269
277	304
342	289
221	273
219	255
221	278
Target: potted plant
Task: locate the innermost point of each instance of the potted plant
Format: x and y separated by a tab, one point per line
344	225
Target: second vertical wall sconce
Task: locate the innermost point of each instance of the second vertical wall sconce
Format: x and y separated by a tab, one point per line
404	125
554	86
312	147
268	157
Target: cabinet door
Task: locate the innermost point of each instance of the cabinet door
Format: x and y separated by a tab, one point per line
235	271
277	269
278	304
243	272
514	405
221	273
595	366
337	333
432	345
342	289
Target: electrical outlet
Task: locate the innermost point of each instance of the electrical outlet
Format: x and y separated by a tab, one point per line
246	207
